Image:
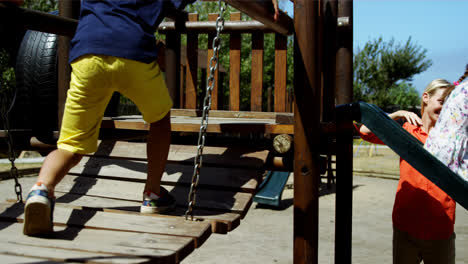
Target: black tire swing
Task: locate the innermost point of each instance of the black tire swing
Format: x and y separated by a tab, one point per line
36	84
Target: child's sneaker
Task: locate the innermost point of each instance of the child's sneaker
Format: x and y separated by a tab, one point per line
38	211
153	203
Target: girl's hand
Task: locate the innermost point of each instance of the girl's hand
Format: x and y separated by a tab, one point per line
410	117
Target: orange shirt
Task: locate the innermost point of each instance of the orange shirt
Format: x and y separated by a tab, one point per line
421	208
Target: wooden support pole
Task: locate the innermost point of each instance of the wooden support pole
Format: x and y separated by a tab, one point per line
173	69
204	27
191	74
67	9
40	21
263	11
307	81
281	71
344	155
234	66
329	14
257	73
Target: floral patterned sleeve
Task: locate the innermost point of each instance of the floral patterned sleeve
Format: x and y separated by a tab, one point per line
448	140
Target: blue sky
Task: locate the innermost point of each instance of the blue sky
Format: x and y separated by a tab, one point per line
435	25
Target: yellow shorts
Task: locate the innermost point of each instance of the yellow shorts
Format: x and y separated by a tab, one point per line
94	79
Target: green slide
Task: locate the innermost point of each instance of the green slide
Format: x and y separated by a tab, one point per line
408	148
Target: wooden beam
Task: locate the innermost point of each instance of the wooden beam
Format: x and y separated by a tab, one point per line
39	21
191	81
257	72
344	141
67	9
203	27
307	81
263	11
281	71
173	68
234	69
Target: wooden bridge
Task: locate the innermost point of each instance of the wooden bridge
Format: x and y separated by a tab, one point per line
96	217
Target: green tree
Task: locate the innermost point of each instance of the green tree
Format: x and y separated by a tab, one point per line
41	5
383	72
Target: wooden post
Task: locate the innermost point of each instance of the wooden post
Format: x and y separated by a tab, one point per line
192	68
281	44
214	93
173	74
257	72
307	68
69	9
234	69
329	11
344	141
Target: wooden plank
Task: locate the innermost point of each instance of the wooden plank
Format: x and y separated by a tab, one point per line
281	44
238	156
66	216
221	223
221	113
257	72
191	82
233	179
212	128
221	201
234	66
214	93
92	245
20	259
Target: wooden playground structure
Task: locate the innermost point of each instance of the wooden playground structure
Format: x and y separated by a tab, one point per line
98	202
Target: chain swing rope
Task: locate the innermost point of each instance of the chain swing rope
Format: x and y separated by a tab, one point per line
206	108
5	112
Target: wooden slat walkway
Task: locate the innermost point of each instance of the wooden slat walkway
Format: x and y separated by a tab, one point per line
97	217
183	120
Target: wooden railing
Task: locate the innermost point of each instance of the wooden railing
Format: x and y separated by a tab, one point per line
184	86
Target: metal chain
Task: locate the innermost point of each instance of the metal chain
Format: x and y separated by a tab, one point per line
9	138
206	108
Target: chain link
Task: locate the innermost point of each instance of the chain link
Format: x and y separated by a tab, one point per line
206	108
9	138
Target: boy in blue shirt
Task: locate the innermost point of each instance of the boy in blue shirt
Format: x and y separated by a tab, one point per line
114	49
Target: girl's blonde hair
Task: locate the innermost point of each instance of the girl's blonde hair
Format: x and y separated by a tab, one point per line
434	86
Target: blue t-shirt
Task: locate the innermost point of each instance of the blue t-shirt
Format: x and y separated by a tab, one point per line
120	28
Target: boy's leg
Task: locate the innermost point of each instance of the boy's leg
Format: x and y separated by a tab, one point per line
157	149
156	199
39	207
56	166
89	93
